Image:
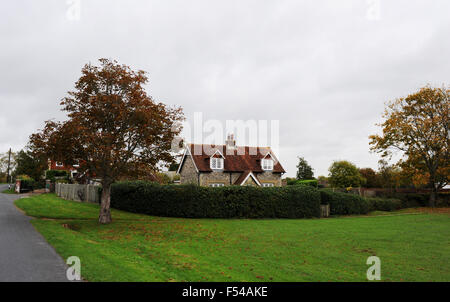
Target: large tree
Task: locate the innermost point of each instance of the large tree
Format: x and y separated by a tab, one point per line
114	129
344	174
304	170
418	126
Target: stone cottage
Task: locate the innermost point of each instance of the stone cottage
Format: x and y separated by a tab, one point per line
225	165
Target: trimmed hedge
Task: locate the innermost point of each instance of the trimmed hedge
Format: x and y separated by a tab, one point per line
192	201
412	200
344	203
27	185
310	182
384	204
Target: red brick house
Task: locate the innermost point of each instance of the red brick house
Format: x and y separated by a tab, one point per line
72	170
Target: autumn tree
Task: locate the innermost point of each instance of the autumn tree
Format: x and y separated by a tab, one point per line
344	174
114	129
304	170
418	126
371	177
389	176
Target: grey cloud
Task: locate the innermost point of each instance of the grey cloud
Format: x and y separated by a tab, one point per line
320	67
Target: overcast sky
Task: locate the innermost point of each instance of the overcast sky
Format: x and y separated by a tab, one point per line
322	68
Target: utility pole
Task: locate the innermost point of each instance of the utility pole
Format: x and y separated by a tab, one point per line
9	165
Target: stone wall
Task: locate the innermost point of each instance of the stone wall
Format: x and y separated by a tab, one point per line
269	177
188	173
214	177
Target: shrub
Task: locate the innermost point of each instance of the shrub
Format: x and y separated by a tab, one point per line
384	204
23	177
192	201
310	182
344	203
52	174
443	199
291	181
409	200
27	185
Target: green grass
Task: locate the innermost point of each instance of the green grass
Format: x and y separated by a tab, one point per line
9	191
412	247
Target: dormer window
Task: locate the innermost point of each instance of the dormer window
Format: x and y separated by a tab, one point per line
216	163
267	164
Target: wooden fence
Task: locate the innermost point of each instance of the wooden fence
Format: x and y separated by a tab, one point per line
81	193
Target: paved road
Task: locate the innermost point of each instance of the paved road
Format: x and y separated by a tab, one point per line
24	253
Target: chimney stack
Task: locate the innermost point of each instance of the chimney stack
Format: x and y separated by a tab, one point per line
230	142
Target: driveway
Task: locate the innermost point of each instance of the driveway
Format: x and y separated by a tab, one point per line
24	253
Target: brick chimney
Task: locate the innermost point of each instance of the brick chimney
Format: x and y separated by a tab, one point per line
230	142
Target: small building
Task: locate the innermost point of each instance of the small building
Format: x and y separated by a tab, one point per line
226	165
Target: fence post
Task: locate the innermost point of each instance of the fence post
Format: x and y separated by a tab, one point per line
325	210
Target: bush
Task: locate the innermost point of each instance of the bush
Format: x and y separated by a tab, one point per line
344	203
310	182
192	201
23	177
409	200
27	185
443	199
384	204
52	174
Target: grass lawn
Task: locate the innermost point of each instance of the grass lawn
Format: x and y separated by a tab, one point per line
412	246
9	191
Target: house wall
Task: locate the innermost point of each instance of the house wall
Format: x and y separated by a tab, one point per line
235	177
269	177
214	177
188	173
52	166
218	177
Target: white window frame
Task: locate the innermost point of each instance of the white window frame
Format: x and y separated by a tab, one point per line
59	164
267	164
216	163
217	185
268	185
76	164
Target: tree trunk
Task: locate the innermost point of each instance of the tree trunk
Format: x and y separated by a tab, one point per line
105	211
433	197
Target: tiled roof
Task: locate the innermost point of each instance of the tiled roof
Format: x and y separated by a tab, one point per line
238	160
